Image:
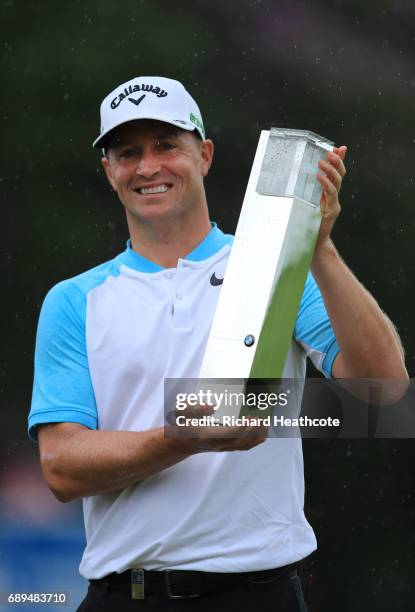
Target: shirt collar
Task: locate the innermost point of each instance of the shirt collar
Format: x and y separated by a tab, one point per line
211	244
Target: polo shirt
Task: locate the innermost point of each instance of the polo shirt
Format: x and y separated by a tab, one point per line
106	341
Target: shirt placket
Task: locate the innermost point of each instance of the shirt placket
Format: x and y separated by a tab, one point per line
181	312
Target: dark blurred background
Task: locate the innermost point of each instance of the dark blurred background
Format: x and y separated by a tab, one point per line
344	69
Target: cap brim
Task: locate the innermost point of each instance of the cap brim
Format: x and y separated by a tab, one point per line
99	143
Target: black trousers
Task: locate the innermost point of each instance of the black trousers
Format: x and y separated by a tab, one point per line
282	594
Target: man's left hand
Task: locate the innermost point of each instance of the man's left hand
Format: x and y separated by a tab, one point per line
330	177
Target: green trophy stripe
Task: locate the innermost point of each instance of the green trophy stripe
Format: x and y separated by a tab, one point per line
276	334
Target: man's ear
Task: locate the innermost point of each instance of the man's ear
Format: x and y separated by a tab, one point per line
207	156
108	171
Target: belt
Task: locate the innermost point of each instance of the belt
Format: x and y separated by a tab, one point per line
179	584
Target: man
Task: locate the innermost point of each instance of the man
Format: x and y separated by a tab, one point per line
181	518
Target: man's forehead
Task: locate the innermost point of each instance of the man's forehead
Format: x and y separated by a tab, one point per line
143	127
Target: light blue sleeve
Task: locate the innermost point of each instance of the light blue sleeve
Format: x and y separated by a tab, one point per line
62	389
313	329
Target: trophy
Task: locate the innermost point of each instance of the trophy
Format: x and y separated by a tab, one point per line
271	255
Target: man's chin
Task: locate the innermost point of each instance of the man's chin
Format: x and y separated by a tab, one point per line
154	210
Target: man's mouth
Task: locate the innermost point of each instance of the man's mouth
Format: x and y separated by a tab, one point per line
155	189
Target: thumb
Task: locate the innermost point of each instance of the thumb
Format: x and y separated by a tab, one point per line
341	151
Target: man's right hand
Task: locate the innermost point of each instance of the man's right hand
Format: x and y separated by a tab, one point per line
195	438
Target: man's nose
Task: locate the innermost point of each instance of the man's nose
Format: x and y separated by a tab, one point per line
148	165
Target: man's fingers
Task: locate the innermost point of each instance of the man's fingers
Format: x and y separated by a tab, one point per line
331	172
336	158
330	190
196	411
223	438
337	163
245	442
252	436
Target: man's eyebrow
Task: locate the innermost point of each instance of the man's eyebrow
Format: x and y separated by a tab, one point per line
121	142
167	134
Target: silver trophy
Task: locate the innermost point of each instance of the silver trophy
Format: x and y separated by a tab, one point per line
271	255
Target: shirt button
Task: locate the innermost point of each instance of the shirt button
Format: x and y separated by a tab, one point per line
179	296
168	274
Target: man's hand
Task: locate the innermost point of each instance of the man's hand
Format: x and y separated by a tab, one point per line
330	177
194	438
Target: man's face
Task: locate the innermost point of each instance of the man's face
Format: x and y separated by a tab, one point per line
157	170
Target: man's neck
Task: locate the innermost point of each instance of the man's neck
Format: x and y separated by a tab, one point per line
164	244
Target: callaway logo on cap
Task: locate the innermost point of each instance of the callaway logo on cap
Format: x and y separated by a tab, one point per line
149	98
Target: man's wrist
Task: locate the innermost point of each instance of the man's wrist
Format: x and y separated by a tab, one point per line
180	445
324	252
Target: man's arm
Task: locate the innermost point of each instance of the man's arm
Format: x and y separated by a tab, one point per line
79	462
369	344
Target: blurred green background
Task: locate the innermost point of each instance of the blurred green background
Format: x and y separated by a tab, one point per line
344	69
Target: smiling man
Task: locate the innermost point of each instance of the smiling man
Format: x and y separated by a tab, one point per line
213	523
157	171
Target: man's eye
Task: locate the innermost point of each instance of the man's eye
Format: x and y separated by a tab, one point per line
129	153
165	146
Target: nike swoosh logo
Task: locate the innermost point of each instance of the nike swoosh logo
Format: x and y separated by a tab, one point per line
215	281
137	102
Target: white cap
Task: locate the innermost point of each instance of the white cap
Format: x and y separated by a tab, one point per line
149	98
